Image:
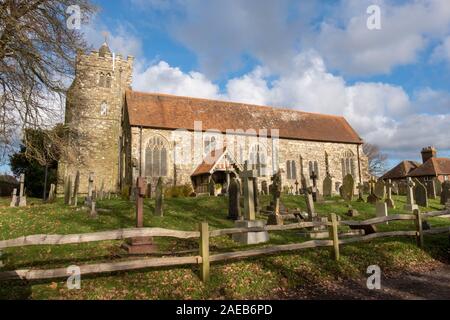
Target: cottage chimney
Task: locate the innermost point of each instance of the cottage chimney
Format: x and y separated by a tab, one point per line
428	153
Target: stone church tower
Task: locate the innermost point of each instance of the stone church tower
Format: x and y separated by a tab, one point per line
94	114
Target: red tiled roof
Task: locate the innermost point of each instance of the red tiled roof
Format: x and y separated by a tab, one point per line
433	167
401	170
172	112
207	165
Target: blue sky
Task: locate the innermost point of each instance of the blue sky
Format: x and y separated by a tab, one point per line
391	84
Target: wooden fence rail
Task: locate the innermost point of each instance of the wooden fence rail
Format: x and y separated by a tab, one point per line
204	258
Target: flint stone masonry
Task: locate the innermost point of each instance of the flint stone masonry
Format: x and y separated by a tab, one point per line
103	141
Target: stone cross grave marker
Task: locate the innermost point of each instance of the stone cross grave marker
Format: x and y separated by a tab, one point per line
314	186
247	177
22	197
234	208
327	186
410	205
420	194
14	198
159	198
431	189
445	193
307	192
389	201
348	188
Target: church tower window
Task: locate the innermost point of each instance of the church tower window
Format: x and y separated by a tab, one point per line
101	80
108	81
156	158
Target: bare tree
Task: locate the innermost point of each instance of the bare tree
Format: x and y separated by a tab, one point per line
37	53
377	159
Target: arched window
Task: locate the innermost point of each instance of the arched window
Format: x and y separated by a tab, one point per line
108	81
101	80
258	159
156	158
104	109
291	170
348	164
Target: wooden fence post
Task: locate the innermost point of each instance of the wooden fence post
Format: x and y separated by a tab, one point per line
419	230
334	232
204	251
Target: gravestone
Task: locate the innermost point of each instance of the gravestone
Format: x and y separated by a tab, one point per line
351	212
69	191
438	185
52	193
327	186
66	190
314	177
297	190
420	194
381	209
431	189
22	201
234	209
402	188
372	198
14	199
159	198
89	197
212	187
140	245
247	176
360	192
102	191
389	201
348	188
337	186
149	191
275	218
445	193
256	195
264	188
410	204
366	189
307	193
380	190
76	187
92	209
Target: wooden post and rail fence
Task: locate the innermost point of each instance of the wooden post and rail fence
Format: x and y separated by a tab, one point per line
204	258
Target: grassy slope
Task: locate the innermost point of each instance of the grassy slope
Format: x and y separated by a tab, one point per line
270	276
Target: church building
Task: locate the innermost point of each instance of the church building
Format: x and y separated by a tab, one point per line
118	134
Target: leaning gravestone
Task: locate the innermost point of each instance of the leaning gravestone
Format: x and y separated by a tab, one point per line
420	194
234	209
348	188
372	198
431	189
327	186
445	193
159	198
410	204
275	218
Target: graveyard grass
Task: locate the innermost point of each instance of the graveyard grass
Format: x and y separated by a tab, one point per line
272	276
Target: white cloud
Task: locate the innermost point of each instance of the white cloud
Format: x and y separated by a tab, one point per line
381	113
442	51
